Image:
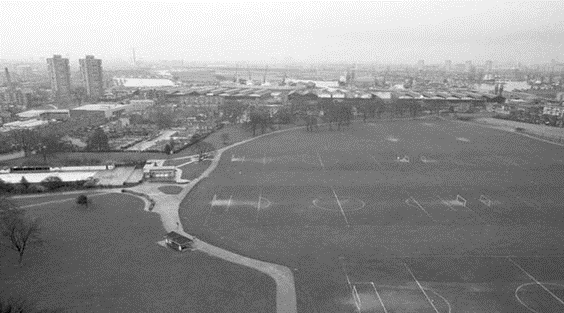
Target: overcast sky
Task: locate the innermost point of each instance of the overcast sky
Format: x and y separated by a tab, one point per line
383	32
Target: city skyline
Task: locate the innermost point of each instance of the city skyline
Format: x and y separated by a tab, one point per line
318	32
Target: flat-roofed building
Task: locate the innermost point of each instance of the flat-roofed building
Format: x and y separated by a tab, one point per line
139	105
29	124
154	171
106	111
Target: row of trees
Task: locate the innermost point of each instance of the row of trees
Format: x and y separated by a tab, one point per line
50	183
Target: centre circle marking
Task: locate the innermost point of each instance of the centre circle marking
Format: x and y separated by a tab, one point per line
349	204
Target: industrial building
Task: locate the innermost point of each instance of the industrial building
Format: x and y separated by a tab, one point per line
139	105
28	124
107	111
43	115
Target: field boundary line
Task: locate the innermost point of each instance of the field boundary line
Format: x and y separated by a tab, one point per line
341	259
536	281
421	207
421	288
379	298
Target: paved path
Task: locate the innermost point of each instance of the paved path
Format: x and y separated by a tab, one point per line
144	145
167	207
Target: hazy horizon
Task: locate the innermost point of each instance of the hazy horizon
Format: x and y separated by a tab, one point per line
317	32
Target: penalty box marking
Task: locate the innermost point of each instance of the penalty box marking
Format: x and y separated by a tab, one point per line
420	207
536	281
421	287
262	202
341	259
529	284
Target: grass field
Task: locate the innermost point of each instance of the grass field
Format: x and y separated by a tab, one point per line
106	259
467	220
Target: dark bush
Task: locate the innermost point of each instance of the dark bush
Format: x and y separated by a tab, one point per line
82	200
52	182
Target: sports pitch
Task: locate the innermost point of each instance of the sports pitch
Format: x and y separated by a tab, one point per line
406	216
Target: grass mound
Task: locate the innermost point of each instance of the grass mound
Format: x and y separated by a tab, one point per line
170	190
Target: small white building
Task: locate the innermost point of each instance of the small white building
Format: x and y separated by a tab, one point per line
155	171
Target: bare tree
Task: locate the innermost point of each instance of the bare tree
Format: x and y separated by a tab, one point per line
19	229
20	305
202	149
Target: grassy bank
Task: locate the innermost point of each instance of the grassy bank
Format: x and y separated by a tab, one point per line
105	258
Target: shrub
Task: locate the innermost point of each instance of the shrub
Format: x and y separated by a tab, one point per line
52	182
4	187
36	188
90	183
82	200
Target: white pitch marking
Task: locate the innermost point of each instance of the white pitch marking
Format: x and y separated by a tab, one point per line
340	206
421	207
209	211
536	281
444	299
347	276
421	287
357	299
229	203
258	205
320	161
446	203
376	160
379	298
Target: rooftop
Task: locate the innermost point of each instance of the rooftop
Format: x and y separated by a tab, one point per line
99	107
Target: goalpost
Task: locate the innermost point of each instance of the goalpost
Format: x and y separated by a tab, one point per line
461	200
487	202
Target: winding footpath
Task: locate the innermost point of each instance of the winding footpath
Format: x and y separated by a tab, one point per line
167	206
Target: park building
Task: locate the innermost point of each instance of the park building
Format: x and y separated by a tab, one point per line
155	171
